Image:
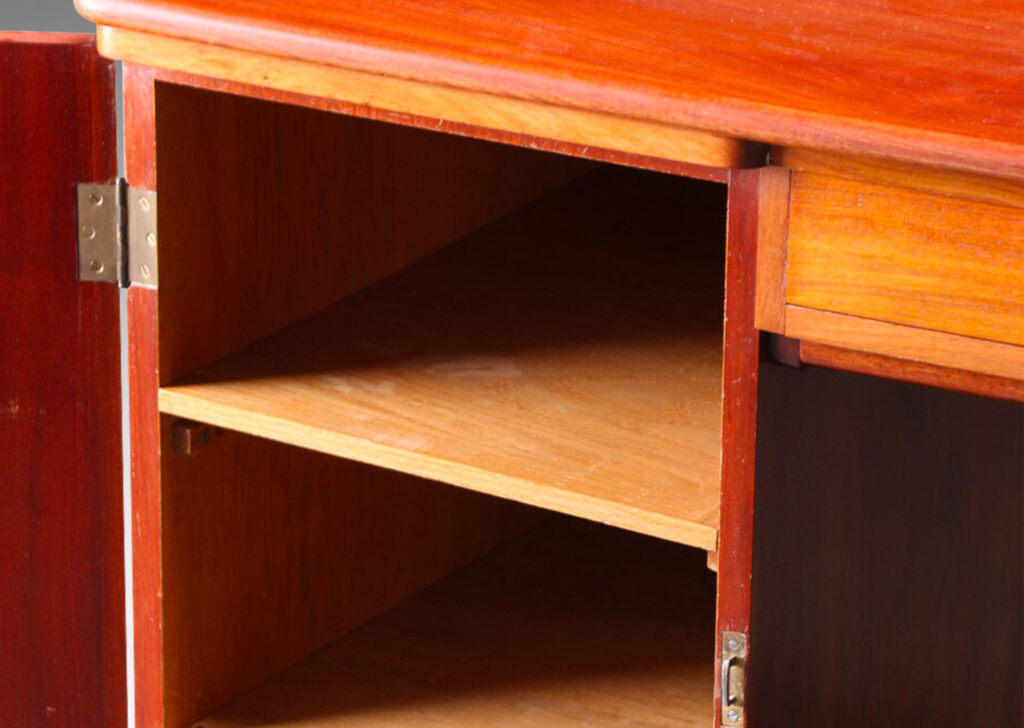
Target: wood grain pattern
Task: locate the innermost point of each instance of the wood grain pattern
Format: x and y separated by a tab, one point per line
941	84
739	415
905	342
143	381
537	118
961	185
62	642
772	238
960	380
271	551
907	257
568	356
309	206
569	625
888	588
504	136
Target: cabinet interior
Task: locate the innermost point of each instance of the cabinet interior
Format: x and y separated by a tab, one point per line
372	314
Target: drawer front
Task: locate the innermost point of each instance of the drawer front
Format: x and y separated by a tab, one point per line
906	256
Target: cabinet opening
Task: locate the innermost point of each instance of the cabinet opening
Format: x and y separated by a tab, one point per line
564	352
375	313
568	624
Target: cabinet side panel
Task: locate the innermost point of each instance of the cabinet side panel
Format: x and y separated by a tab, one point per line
140	169
887	587
739	412
61	546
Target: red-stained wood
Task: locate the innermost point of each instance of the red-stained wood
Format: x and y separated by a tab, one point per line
140	168
939	82
61	549
711	174
739	415
810	352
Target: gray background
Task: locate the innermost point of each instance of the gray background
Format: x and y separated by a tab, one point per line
51	15
60	16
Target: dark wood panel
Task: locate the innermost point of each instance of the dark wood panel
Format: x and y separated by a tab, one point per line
939	82
888	583
62	648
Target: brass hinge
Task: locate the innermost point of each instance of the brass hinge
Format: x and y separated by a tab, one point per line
117	234
734	663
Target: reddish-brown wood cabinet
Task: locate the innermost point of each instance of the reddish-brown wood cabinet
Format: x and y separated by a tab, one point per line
478	382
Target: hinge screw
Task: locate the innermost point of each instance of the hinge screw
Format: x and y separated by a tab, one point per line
144	270
96	198
733	716
151	239
88	232
96	265
144	204
733	645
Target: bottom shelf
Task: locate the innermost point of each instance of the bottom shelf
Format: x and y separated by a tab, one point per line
569	624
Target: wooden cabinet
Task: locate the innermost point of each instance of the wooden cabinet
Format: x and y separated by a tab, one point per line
484	369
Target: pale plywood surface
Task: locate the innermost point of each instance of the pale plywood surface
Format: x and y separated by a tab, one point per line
569	625
568	356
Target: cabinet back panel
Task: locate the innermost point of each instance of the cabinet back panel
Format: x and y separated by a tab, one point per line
269	212
887	577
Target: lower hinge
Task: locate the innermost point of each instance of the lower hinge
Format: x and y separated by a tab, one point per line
117	234
734	664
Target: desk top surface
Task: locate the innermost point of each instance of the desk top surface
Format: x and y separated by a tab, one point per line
934	81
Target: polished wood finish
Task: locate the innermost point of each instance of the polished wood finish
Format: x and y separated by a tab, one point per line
907	257
905	342
308	207
569	625
888	588
942	84
271	551
400	96
772	236
960	380
143	381
568	356
958	184
61	548
739	412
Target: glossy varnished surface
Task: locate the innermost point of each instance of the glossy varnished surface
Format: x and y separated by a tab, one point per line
939	82
61	557
568	356
571	625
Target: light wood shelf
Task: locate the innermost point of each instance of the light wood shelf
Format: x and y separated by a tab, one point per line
570	624
567	356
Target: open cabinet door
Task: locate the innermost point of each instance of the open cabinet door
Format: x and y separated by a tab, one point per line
62	648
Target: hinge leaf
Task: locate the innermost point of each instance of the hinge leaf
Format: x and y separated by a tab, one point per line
101	231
